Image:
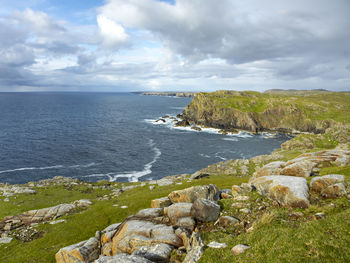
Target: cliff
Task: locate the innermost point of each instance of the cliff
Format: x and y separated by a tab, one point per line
304	111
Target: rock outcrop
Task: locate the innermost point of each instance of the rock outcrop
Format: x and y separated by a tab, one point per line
329	186
286	190
189	195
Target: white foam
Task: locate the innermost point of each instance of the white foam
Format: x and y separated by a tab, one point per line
31	168
231	139
204	155
133	176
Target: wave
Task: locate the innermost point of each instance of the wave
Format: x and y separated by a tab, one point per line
59	166
170	123
133	176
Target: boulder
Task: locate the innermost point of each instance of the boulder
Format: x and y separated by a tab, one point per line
179	215
334	191
189	195
205	210
150	212
123	258
159	253
237	190
108	233
199	175
272	168
161	202
320	183
300	169
85	251
286	190
133	234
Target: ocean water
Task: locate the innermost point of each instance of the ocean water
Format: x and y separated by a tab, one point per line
110	136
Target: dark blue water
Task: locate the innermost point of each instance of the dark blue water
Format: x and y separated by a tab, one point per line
96	136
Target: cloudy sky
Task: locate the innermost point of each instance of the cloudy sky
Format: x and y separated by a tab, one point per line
194	45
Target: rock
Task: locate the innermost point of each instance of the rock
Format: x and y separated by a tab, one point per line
108	233
57	221
189	195
151	187
320	183
205	210
83	203
272	168
164	182
319	216
196	128
245	210
241	198
226	191
239	205
150	212
124	206
216	245
5	240
178	210
237	190
86	251
195	249
296	215
239	249
246	187
225	196
123	258
199	175
161	202
250	229
155	253
133	234
286	190
300	169
226	221
334	191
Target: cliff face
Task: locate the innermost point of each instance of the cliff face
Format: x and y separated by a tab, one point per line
252	111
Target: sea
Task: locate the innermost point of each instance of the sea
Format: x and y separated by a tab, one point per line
110	136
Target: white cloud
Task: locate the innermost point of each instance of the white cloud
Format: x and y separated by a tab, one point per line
113	34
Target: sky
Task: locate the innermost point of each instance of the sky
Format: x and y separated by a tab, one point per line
174	45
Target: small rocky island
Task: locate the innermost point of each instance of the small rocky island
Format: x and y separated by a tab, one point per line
290	206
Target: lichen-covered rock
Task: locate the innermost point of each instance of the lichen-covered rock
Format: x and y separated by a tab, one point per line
85	251
195	249
205	210
150	212
133	234
179	215
300	169
237	190
320	183
334	191
189	195
272	168
286	190
159	253
161	202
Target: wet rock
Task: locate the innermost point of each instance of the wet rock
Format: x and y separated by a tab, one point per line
159	253
196	128
85	251
205	210
161	202
239	249
286	190
189	195
133	234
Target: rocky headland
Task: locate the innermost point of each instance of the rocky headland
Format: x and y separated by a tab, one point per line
292	205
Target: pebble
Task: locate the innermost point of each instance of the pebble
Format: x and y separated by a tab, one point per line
151	187
215	244
124	206
245	210
57	221
239	249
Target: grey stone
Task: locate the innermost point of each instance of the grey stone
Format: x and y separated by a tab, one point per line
205	210
150	212
189	195
122	258
215	244
239	249
159	253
